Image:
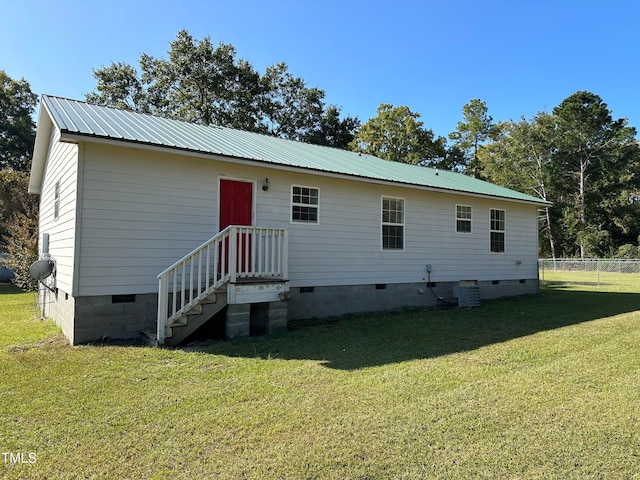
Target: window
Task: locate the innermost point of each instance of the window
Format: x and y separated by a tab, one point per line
304	204
497	230
463	219
56	201
392	223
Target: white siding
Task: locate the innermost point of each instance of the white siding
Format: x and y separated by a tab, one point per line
61	166
143	210
345	247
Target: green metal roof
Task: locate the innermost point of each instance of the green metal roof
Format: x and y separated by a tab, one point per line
73	118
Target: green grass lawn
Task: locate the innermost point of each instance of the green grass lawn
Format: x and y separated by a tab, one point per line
593	280
535	387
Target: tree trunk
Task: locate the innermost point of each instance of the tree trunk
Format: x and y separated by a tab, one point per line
552	243
582	217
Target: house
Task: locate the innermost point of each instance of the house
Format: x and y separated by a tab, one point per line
157	225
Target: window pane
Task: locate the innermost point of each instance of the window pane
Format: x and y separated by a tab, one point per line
392	237
305	214
497	220
463	212
497	242
56	201
392	223
463	226
392	210
305	195
301	197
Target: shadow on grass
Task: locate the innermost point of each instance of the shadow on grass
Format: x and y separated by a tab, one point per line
362	341
8	288
567	283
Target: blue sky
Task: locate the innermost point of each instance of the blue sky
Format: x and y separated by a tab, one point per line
520	57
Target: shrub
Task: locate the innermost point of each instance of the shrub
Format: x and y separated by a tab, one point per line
22	246
19	225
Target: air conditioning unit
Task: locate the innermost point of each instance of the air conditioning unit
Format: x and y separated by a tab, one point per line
468	294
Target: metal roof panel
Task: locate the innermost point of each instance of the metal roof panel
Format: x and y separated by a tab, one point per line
76	117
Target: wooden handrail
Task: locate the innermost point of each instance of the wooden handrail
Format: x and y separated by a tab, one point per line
235	252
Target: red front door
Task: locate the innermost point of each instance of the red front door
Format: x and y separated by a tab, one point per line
236	208
236	203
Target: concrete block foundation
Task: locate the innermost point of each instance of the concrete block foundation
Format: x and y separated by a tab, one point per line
86	319
277	317
321	302
238	320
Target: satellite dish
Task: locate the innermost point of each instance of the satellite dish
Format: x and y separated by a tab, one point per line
41	269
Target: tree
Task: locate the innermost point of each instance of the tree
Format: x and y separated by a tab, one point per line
584	162
596	170
202	84
333	131
292	110
19	225
14	197
197	83
119	86
17	129
519	158
397	134
470	134
18	209
22	247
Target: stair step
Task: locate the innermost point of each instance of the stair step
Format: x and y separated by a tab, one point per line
179	322
207	311
213	298
195	310
150	337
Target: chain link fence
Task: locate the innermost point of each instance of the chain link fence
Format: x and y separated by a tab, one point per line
590	271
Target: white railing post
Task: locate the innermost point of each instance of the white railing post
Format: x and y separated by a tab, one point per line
285	254
163	307
233	254
254	243
259	247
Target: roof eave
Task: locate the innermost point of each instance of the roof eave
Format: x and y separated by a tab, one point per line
40	150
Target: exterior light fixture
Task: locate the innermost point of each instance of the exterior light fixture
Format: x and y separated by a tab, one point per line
265	185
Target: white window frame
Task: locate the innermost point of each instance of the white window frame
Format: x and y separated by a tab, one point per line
464	219
502	231
392	224
56	200
305	205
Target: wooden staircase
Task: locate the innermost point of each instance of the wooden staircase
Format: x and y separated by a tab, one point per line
203	282
180	328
